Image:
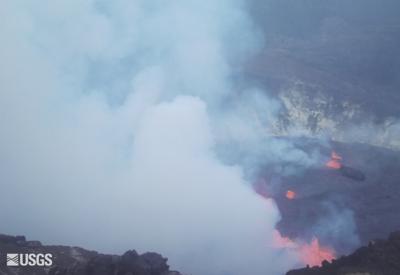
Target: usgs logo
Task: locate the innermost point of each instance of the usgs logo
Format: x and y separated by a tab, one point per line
29	259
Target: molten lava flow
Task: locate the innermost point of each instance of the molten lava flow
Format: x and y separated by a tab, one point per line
334	162
310	254
290	195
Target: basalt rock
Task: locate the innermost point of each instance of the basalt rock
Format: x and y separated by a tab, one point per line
352	173
78	261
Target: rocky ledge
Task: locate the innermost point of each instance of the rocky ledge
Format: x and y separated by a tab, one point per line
380	257
78	261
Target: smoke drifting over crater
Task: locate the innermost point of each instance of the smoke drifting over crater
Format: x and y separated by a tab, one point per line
118	122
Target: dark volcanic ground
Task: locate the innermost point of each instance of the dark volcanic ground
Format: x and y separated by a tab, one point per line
342	211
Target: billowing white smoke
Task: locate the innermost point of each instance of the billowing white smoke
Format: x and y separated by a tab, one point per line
110	116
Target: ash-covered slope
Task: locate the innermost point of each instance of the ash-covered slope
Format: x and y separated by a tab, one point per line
78	261
380	257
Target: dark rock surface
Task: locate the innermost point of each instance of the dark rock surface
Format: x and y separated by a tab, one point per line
78	261
343	211
380	257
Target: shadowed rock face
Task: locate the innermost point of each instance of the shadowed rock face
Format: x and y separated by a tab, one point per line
378	258
78	261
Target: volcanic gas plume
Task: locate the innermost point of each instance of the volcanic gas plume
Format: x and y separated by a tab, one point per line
122	129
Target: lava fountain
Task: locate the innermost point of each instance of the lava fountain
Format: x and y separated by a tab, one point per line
291	195
335	161
312	254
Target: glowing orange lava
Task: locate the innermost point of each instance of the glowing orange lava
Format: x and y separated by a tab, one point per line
335	156
311	254
290	194
334	162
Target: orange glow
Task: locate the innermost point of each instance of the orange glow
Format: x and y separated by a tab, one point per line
311	254
290	195
335	156
334	162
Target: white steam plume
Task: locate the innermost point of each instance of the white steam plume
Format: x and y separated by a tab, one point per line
110	116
